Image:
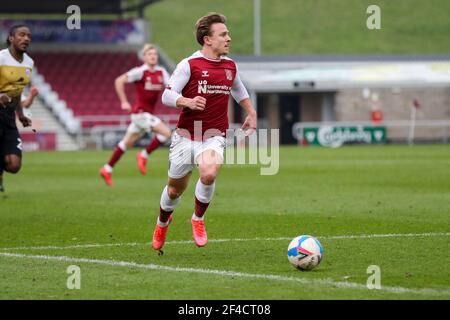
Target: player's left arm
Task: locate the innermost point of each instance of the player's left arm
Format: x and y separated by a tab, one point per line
28	101
26	122
249	124
240	94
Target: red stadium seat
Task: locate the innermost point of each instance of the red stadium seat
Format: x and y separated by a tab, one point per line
86	81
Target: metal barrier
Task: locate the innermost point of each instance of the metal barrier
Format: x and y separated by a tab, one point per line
93	135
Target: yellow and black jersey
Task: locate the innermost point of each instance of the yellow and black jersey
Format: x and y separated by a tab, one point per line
14	75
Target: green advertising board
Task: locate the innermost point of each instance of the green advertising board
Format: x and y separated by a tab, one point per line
336	136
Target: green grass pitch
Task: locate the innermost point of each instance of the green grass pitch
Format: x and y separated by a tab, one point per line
57	212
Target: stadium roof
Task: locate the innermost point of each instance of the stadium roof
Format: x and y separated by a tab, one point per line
316	73
60	6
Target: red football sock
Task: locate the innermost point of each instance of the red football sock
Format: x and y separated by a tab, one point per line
118	152
200	208
164	215
153	145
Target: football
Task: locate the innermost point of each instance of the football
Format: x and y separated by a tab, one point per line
305	252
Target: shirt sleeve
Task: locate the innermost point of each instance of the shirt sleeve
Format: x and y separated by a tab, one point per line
135	74
166	76
176	84
1	66
238	91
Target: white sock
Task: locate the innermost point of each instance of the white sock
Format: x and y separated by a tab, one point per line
161	138
108	168
203	192
122	146
144	154
195	218
166	203
162	224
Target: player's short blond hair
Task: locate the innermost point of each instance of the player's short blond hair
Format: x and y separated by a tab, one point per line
203	25
147	47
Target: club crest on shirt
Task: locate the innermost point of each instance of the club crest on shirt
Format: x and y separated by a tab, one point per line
229	74
205	73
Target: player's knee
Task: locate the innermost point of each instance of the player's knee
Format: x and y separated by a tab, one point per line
208	177
173	192
13	168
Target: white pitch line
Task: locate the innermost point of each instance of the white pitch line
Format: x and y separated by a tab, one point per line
133	244
323	282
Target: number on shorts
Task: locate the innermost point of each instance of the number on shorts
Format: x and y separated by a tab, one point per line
19	145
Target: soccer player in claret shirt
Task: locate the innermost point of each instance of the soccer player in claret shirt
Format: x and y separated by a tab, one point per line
201	86
150	80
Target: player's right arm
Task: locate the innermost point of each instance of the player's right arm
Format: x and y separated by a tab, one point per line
119	84
172	96
4	98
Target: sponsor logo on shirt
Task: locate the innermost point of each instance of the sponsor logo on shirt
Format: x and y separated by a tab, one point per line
150	86
204	87
229	74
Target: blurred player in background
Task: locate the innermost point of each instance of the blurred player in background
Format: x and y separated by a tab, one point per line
15	73
201	86
150	80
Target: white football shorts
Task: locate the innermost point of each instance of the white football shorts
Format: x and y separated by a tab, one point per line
184	153
143	122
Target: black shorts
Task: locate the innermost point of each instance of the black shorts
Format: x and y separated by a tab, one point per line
10	142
